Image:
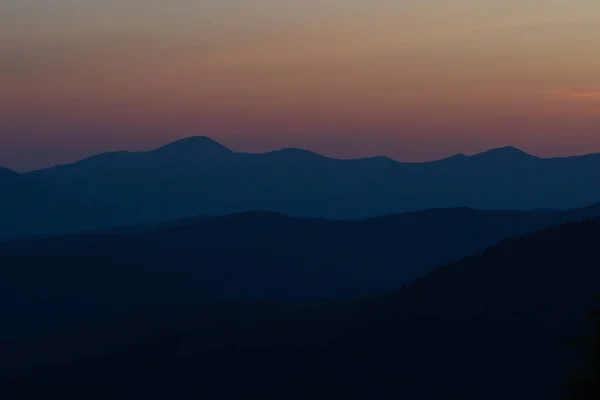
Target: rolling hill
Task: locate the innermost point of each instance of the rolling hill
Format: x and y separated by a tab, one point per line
489	327
247	257
7	173
198	176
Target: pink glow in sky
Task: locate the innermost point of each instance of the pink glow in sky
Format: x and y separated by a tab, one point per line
410	79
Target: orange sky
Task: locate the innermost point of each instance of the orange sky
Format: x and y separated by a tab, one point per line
411	79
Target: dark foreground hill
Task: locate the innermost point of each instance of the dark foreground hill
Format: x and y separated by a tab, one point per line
197	176
490	327
6	173
52	282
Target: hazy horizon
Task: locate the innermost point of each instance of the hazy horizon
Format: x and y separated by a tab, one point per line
412	80
237	150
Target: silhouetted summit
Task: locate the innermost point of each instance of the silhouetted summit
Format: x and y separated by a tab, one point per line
198	176
195	145
507	153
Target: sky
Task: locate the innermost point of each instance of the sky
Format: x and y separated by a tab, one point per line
413	80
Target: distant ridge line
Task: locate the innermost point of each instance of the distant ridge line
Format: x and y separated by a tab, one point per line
205	144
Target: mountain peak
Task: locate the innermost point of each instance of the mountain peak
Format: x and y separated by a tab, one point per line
195	145
504	153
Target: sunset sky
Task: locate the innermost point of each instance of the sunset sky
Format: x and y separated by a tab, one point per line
411	79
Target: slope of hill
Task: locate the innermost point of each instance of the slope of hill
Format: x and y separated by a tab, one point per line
489	327
256	256
5	173
150	227
199	176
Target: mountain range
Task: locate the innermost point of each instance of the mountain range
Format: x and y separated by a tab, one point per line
198	176
50	282
491	326
176	272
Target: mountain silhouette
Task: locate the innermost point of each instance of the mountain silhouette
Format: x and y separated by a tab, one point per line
198	176
503	154
489	327
245	257
7	173
142	228
194	146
